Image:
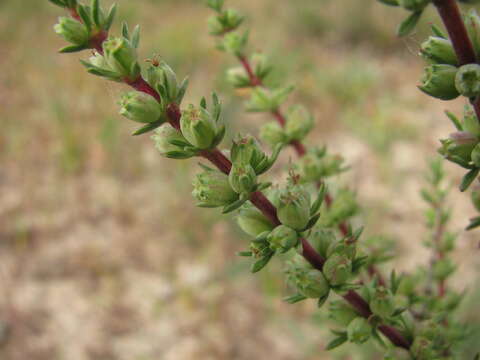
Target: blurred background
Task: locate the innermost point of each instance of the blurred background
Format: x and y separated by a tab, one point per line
103	254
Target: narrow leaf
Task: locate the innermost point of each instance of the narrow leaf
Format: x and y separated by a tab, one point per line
407	26
468	179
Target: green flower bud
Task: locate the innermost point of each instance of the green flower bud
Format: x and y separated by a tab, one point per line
470	121
261	66
467	80
359	330
166	137
460	150
263	100
140	107
283	238
382	303
72	30
198	127
246	150
234	43
294	207
343	207
475	196
317	165
273	134
299	123
163	77
337	269
439	82
227	21
121	57
238	78
98	61
437	50
413	5
341	313
422	349
212	189
344	247
321	240
312	284
253	222
243	178
472	23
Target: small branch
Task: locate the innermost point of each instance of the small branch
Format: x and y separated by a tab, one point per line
452	19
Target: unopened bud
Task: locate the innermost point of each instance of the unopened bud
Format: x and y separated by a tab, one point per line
294	207
165	137
72	30
313	284
382	302
234	43
299	123
337	269
198	127
238	78
359	330
243	178
283	238
341	313
439	81
140	107
212	189
253	222
437	50
273	134
121	57
467	80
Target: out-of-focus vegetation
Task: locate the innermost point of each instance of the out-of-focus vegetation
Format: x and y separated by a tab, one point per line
102	253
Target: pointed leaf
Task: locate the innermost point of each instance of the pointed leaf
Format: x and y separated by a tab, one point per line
468	179
407	26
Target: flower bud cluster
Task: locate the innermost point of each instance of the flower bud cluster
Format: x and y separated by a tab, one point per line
318	164
89	30
261	68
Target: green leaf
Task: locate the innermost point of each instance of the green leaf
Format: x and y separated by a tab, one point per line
407	26
85	16
454	120
136	37
389	2
474	223
468	179
438	32
337	342
260	264
125	32
245	253
110	17
294	298
57	2
234	206
181	91
319	200
72	49
95	6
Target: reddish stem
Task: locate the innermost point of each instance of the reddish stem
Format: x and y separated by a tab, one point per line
265	206
254	80
218	159
452	19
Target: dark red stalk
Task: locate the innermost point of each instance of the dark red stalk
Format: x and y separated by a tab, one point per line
452	19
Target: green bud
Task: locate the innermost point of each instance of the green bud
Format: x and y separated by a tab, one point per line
321	240
299	123
359	330
470	121
472	23
98	61
337	269
216	5
72	30
198	127
343	207
457	149
317	165
341	313
238	78
413	5
437	50
140	107
313	284
166	140
263	100
225	22
294	207
344	247
121	57
273	134
243	178
234	43
246	150
212	189
261	66
439	82
253	222
283	238
382	303
422	349
163	78
467	80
